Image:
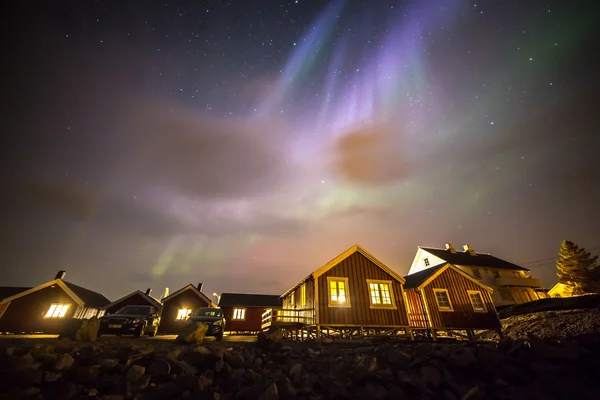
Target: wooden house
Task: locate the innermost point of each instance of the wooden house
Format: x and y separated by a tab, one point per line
46	307
243	312
354	294
178	306
137	298
445	299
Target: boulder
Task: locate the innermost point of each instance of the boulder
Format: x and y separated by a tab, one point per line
193	333
88	332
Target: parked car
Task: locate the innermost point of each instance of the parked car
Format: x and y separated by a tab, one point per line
213	317
131	320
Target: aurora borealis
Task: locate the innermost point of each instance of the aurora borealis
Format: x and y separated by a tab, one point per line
244	144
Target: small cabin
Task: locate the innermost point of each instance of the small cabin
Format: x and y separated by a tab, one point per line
137	298
444	299
243	312
354	294
179	305
47	307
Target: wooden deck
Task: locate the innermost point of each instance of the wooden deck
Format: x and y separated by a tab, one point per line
288	318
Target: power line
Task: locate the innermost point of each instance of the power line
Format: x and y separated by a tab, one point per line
554	258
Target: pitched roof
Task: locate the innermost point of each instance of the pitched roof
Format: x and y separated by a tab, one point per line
479	260
416	279
8	291
150	299
193	289
341	257
249	300
89	297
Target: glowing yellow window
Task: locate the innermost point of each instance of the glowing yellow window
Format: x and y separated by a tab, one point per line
183	313
57	311
293	299
338	292
303	295
239	313
380	293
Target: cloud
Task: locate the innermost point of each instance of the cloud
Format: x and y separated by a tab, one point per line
370	156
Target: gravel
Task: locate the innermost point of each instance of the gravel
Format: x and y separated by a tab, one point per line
271	370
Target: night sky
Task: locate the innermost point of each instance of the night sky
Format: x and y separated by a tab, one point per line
244	144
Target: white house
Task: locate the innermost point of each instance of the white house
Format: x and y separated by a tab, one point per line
512	284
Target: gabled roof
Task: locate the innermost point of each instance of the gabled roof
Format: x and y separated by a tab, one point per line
420	279
249	300
193	289
152	300
82	296
478	260
8	291
354	249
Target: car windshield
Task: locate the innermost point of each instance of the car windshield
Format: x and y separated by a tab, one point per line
135	310
207	312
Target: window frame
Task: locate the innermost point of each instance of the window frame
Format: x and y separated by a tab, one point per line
346	304
469	293
242	310
187	316
303	295
441	308
426	261
64	309
390	285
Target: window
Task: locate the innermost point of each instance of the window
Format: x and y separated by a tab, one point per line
338	292
527	296
476	301
380	294
443	300
183	313
476	273
293	300
506	295
57	310
303	295
496	274
239	314
515	273
426	261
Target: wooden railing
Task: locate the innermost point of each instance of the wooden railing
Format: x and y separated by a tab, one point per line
304	316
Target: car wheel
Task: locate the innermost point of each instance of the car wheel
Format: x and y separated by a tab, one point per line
139	332
219	336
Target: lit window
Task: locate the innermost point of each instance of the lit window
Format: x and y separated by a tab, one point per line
380	293
338	292
303	295
57	311
426	261
443	300
239	313
183	313
293	299
476	301
515	273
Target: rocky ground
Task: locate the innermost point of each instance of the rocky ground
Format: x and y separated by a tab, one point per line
114	369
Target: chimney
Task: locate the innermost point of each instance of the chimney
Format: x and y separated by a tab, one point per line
60	275
200	287
450	248
469	250
148	291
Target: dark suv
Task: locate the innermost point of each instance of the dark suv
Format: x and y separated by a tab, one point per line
131	320
213	317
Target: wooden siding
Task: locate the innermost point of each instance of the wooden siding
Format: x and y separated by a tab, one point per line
252	322
26	314
357	268
135	300
463	316
305	312
416	311
186	299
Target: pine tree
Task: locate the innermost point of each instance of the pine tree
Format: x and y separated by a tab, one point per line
577	269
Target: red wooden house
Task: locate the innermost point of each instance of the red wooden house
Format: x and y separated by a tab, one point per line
47	307
243	312
137	298
444	299
354	294
178	306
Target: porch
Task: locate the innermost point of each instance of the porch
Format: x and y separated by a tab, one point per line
287	318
